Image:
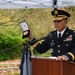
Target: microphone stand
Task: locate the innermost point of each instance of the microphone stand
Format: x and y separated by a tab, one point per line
25	66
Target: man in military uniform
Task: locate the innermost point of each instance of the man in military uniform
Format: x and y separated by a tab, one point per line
62	43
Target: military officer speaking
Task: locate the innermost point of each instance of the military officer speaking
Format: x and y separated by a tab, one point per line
62	43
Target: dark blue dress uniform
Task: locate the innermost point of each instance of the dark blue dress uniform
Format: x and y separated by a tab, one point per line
64	46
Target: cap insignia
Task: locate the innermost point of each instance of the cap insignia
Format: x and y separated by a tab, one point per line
55	12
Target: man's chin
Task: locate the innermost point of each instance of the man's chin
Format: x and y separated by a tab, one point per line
57	29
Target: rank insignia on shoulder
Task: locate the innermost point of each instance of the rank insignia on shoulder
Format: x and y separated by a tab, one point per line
74	31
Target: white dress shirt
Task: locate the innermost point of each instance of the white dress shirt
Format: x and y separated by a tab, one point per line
62	32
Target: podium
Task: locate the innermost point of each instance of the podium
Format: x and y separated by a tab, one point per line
49	66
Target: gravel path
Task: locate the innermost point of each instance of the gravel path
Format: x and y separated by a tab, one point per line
10	67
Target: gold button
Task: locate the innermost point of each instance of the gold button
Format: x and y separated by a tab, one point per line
51	50
66	44
66	33
52	40
58	51
58	45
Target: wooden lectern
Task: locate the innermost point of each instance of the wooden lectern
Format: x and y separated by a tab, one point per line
48	66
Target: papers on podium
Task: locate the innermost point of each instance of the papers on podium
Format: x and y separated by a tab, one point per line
43	57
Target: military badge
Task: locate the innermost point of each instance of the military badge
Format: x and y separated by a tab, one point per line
68	38
55	12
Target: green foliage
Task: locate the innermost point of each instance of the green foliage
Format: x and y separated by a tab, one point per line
39	21
8	41
11	32
9	38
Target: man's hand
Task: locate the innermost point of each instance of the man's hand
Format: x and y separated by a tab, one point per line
63	57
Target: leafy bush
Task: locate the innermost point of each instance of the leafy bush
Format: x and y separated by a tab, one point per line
9	41
10	36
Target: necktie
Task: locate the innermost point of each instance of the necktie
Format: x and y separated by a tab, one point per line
59	35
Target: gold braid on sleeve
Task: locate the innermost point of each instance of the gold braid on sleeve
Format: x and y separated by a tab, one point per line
71	55
39	42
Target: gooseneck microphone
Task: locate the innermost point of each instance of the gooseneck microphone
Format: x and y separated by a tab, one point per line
49	36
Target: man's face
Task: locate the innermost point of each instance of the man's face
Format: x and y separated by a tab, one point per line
60	25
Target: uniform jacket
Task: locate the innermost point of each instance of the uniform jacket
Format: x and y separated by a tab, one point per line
64	46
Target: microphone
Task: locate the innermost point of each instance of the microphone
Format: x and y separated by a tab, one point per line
49	36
